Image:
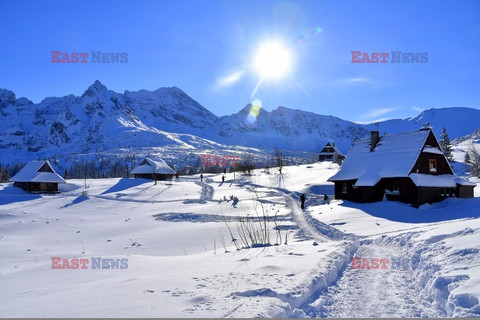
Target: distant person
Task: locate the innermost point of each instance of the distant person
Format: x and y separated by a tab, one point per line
176	175
302	199
325	198
201	177
223	179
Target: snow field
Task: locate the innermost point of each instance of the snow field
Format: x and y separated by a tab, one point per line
177	267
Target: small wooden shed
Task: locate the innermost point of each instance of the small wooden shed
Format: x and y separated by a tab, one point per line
37	176
155	170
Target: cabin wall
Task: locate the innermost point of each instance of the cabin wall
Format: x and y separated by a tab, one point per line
37	186
323	157
328	149
358	194
407	191
464	191
370	194
153	176
430	195
339	194
422	164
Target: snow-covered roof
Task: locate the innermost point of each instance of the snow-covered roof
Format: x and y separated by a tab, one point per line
393	156
429	149
37	171
150	166
443	180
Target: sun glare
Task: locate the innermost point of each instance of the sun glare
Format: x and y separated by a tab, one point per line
272	61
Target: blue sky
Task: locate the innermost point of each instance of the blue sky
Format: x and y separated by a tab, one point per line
198	45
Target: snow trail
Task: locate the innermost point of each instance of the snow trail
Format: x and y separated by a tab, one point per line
373	292
311	227
362	292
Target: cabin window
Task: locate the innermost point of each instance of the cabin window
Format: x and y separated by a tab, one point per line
432	164
344	187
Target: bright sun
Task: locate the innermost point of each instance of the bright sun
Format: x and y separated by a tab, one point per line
272	61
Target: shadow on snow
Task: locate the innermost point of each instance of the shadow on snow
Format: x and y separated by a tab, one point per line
11	194
448	209
125	183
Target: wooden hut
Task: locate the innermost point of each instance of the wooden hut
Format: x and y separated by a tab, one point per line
37	176
155	170
408	167
329	152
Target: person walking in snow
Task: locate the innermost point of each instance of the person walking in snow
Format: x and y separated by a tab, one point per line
201	177
302	199
223	179
176	175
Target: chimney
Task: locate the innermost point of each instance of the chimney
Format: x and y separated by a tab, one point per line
374	137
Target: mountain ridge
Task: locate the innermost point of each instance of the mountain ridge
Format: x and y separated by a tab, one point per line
102	120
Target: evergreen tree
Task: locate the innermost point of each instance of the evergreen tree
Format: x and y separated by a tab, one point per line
475	161
446	145
2	172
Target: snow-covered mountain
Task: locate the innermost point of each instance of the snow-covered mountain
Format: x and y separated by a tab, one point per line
103	121
458	121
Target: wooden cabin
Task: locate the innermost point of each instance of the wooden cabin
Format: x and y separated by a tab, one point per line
37	176
154	170
329	152
408	167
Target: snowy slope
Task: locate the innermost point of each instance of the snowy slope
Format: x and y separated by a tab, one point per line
460	147
289	129
458	121
177	267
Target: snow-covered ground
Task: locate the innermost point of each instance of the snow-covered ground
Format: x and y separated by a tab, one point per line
172	232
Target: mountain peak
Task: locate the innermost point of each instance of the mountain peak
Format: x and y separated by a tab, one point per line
94	89
7	95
